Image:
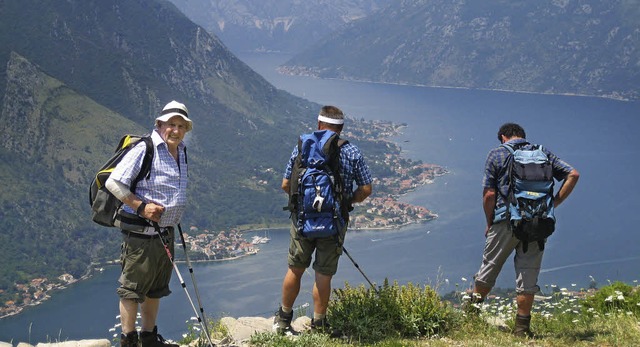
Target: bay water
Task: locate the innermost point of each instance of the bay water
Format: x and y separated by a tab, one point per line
597	234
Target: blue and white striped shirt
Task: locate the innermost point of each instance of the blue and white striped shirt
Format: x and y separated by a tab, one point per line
352	164
167	185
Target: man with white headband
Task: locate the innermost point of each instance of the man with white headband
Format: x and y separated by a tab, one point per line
352	168
151	210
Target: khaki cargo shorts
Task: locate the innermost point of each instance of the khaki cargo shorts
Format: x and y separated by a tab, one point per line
327	252
146	268
499	245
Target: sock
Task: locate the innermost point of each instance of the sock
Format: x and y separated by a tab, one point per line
319	316
130	334
286	309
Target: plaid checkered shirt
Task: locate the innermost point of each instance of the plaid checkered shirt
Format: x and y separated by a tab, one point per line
167	185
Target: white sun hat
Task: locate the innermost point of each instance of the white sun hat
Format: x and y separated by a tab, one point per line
175	108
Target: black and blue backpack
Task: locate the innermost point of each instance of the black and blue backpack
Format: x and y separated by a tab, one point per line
529	203
316	198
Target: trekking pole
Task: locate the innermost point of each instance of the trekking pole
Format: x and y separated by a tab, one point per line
183	285
193	279
358	267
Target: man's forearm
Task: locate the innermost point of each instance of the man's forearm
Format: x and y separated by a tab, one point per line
285	185
567	187
361	193
122	193
489	204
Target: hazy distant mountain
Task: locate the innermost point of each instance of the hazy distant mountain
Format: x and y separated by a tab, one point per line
275	25
589	47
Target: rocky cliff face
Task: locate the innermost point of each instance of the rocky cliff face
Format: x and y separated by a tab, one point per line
275	25
589	47
23	127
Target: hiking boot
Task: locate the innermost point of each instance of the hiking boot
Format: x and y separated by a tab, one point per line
129	340
322	326
282	322
153	339
522	327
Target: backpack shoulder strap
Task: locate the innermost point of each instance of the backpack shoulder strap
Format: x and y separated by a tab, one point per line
147	160
186	158
296	169
515	146
509	159
507	167
345	205
508	147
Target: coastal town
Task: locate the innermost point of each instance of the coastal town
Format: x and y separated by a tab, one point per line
206	245
381	211
34	292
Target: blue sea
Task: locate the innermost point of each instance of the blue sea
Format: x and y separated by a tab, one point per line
597	234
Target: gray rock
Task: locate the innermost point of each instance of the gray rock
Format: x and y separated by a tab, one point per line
240	332
241	329
80	343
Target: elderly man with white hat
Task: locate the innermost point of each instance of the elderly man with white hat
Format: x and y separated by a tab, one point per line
155	205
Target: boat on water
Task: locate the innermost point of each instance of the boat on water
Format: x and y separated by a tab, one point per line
259	239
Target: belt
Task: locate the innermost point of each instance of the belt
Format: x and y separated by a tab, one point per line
164	231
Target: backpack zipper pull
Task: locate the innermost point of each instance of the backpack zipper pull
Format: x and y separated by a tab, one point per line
317	202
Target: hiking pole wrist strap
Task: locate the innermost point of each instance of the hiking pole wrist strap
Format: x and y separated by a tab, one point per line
140	209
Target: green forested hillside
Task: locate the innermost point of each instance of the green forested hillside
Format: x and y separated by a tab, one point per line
52	140
75	75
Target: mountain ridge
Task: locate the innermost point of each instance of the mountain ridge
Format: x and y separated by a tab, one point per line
563	47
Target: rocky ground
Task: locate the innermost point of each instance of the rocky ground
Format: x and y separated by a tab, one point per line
240	331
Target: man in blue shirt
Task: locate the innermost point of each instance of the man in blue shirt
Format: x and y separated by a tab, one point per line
327	250
161	199
500	240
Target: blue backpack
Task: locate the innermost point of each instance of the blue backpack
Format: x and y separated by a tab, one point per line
530	199
316	189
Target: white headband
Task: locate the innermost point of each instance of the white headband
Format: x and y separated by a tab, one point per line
330	120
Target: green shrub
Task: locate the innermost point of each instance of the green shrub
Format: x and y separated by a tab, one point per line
195	336
393	311
617	296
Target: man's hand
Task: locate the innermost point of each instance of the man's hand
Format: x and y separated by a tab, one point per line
152	211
